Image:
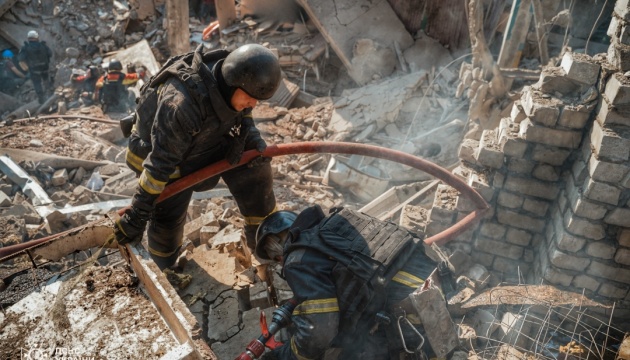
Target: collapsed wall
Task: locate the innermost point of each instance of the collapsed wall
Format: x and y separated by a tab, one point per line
556	173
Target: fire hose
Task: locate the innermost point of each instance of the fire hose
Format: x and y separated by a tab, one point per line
281	317
306	148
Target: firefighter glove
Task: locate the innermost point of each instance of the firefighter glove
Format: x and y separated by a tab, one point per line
130	226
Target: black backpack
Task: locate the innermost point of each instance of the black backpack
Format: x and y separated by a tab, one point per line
36	56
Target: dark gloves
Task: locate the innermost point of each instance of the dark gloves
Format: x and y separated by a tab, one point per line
130	226
248	138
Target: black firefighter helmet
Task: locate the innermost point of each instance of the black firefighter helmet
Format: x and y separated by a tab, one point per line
275	223
254	69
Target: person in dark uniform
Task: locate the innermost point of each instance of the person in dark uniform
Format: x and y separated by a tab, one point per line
86	84
194	112
10	76
112	88
348	271
36	55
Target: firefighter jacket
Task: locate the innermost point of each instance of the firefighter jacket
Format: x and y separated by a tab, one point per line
343	270
36	54
183	122
113	84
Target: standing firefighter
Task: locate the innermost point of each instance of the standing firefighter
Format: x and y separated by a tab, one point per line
36	55
351	274
111	88
194	112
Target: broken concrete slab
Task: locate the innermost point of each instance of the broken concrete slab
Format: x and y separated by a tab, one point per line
138	54
248	331
54	161
378	103
342	24
31	188
223	317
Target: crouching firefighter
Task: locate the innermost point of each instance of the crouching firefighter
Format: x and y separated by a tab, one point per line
349	272
194	112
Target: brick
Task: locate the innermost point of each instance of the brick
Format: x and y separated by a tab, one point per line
549	155
518	237
609	272
546	172
498	180
479	182
438	213
618	90
619	217
536	188
601	249
509	143
610	142
521	166
517	114
500	248
520	221
585	282
510	266
606	171
618	55
540	110
582	207
612	291
436	227
548	136
552	275
580	67
510	200
574	116
566	261
614	28
623	237
528	256
482	258
5	200
569	242
621	9
489	153
622	256
467	150
601	192
60	177
553	79
607	114
537	207
583	227
492	230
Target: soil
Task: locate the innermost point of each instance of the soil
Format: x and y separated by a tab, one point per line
100	301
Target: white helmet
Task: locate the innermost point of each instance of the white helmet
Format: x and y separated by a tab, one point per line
33	35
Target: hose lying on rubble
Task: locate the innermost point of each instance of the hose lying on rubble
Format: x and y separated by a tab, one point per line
307	148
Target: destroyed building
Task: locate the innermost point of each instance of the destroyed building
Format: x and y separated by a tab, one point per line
523	105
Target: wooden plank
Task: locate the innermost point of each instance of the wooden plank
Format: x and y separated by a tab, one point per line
342	23
173	310
515	35
226	13
178	33
286	93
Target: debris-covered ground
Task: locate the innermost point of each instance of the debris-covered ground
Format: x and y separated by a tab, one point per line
62	167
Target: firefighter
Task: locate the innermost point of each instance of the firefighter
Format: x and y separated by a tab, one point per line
347	271
111	89
36	56
86	84
10	76
194	112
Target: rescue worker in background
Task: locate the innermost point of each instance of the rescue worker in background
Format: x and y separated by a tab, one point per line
332	265
86	84
10	76
194	112
36	56
111	89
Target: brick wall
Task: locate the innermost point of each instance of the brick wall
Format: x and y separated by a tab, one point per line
557	175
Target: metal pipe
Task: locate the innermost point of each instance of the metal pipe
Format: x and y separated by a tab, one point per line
323	147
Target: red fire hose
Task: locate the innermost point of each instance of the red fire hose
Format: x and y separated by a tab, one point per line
309	148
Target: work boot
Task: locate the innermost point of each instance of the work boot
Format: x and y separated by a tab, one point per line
250	236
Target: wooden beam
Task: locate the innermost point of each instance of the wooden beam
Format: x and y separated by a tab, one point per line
541	32
226	13
173	310
177	31
515	35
